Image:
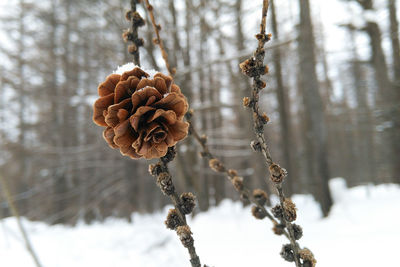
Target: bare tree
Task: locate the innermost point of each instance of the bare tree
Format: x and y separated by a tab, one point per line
313	108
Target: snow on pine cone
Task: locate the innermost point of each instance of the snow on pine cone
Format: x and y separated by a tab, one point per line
143	116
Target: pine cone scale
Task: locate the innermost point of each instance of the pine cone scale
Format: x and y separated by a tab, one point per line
118	112
107	87
100	106
175	102
122	90
138	117
141	97
168	115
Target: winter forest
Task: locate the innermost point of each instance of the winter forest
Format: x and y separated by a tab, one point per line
326	74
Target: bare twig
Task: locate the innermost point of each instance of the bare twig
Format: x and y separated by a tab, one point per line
164	181
158	40
134	28
15	213
254	67
231	174
132	34
160	170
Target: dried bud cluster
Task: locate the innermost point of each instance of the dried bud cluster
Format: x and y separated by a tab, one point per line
258	213
287	252
259	125
132	48
137	21
307	257
263	37
127	36
277	173
188	202
278	229
261	196
249	67
171	153
203	139
290	210
155	169
264	118
164	181
173	220
216	165
232	173
260	84
255	145
246	102
142	116
189	114
185	235
298	231
277	211
136	42
266	69
237	182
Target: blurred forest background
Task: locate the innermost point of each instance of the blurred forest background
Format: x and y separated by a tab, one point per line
333	96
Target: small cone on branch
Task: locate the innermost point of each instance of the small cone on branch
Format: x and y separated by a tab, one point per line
290	210
278	229
287	253
188	202
164	181
173	220
308	258
216	165
261	196
277	173
185	235
258	213
232	173
237	182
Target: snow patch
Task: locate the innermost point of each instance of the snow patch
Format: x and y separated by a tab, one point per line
361	230
130	66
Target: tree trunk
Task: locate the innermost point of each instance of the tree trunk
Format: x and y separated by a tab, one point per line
387	95
313	108
394	38
365	127
204	194
394	33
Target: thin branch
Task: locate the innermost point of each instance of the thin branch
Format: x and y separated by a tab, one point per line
231	174
132	34
254	67
164	181
158	40
15	213
134	29
160	170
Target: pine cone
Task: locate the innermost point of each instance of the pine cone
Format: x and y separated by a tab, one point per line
143	116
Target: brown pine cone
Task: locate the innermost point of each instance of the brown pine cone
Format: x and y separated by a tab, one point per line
143	116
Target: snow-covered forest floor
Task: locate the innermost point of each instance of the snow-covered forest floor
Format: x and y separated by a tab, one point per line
362	230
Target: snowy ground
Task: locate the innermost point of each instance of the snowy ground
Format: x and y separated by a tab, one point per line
361	230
